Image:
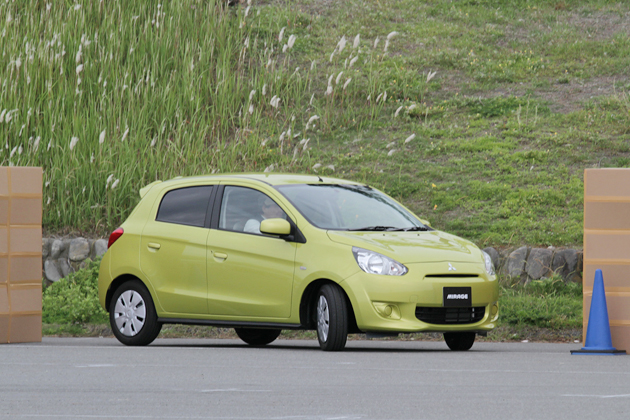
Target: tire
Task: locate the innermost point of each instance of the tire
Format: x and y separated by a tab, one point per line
331	313
461	341
257	336
132	315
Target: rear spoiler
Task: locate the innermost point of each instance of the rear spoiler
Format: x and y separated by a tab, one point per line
145	190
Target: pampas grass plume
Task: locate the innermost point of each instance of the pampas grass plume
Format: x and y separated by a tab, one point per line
342	43
291	41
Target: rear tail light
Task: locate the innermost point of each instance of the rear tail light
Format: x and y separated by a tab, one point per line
114	236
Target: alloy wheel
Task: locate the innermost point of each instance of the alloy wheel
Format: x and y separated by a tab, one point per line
323	318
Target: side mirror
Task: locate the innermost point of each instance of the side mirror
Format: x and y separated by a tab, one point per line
279	227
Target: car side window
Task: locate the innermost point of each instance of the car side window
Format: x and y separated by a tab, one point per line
242	210
185	206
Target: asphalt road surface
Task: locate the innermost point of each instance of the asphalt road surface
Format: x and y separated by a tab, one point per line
98	378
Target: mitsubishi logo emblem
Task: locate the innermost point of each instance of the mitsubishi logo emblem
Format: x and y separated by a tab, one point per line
451	268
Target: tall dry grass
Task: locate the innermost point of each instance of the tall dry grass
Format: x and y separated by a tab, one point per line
108	96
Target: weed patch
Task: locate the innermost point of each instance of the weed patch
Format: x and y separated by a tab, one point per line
550	304
74	300
71	308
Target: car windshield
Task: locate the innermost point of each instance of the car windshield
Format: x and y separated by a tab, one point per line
349	207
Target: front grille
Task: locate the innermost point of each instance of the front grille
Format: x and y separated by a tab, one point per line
444	316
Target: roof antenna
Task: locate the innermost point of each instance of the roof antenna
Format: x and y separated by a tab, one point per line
320	178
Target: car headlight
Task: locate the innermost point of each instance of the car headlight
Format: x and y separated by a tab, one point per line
375	263
489	265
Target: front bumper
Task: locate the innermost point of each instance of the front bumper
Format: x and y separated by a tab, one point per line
390	303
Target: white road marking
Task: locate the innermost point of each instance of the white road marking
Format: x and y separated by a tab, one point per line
235	390
328	367
597	396
94	366
103	416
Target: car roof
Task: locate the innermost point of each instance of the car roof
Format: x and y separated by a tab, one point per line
273	179
267	178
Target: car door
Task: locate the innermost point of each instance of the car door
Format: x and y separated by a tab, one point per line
173	250
249	274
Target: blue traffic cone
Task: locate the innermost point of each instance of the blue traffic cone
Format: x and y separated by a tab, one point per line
598	339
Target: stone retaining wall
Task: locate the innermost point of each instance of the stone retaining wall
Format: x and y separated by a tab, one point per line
527	264
61	256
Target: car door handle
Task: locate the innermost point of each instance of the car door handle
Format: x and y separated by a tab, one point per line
153	245
220	255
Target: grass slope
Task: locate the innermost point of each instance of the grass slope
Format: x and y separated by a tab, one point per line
480	115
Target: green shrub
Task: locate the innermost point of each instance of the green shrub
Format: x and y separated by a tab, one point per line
550	304
74	299
542	303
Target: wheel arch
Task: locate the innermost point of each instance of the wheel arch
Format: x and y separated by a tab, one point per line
117	282
308	302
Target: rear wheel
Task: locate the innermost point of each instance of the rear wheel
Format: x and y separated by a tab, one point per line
132	315
460	341
332	318
257	336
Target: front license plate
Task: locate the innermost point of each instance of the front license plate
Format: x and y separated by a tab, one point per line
457	296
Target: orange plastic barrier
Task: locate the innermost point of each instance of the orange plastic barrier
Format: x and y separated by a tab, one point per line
20	254
607	246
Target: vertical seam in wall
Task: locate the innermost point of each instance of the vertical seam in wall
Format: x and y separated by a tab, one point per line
9	255
525	275
584	236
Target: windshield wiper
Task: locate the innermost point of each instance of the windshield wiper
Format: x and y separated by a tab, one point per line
417	228
375	228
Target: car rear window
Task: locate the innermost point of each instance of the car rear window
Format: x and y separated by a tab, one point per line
185	206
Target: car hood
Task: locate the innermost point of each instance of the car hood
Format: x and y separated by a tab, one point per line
412	247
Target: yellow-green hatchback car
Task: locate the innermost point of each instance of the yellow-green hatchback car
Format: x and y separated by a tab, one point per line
262	253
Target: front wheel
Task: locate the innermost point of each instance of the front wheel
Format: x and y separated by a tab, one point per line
461	341
257	336
332	318
132	315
